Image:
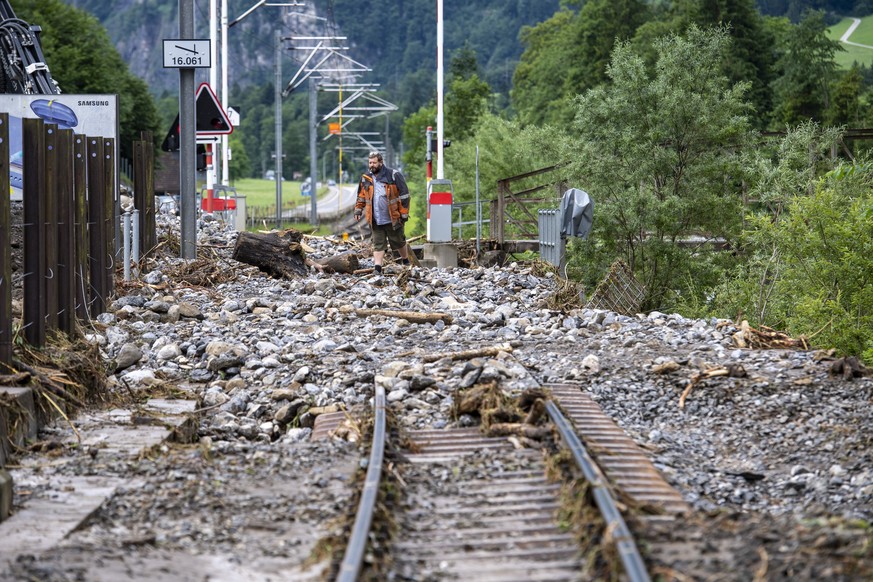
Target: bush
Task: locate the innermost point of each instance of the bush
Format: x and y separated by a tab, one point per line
811	269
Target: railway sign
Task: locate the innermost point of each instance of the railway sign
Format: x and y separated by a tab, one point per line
187	53
211	118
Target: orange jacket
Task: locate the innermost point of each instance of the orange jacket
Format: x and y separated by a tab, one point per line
395	190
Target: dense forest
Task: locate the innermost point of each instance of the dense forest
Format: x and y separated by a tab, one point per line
713	120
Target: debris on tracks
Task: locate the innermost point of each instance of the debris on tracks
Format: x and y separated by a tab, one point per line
766	338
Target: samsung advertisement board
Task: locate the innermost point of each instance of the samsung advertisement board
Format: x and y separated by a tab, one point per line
89	115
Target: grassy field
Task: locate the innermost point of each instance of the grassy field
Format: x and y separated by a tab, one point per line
263	192
862	35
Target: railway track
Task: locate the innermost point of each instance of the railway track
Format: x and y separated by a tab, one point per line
487	508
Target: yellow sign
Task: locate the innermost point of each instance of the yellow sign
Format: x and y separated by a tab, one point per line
334	128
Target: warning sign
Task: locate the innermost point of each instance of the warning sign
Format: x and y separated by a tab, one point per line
211	118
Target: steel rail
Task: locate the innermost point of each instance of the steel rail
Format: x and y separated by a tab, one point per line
354	556
630	556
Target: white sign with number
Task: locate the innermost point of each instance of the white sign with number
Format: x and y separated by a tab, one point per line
187	53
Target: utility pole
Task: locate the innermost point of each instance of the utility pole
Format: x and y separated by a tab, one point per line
440	175
225	171
313	151
278	97
187	141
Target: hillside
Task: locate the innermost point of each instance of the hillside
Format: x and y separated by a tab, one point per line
398	41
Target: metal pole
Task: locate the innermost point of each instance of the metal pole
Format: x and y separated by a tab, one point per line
313	150
428	155
478	207
440	174
278	98
187	141
440	129
225	172
126	235
212	169
135	256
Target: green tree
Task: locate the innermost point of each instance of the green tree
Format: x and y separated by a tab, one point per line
751	54
806	69
809	269
568	54
846	107
599	24
467	97
661	153
239	165
415	139
537	85
83	60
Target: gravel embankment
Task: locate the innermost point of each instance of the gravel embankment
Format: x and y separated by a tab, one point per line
781	438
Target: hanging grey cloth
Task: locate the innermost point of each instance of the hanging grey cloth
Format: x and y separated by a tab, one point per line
577	213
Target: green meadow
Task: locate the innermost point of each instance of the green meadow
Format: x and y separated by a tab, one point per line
260	192
862	35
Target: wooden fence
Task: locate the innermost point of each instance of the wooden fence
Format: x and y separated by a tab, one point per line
70	230
516	211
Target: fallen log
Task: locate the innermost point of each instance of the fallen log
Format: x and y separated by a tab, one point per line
346	262
488	352
276	253
410	316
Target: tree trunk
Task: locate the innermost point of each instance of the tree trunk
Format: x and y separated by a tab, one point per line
343	263
276	253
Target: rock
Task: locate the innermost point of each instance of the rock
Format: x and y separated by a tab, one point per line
128	355
297	435
288	412
189	310
420	383
283	394
140	378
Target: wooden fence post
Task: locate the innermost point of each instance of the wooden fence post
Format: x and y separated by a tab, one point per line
5	247
66	234
34	231
148	209
111	219
96	228
80	174
144	191
139	197
49	243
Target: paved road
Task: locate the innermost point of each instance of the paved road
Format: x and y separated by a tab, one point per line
845	38
329	206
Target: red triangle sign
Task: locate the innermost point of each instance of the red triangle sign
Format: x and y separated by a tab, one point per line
211	118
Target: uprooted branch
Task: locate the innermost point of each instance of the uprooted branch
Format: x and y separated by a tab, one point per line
488	352
749	337
410	316
732	370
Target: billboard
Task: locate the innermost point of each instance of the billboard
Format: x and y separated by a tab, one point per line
91	115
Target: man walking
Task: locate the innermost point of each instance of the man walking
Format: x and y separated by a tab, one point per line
384	199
